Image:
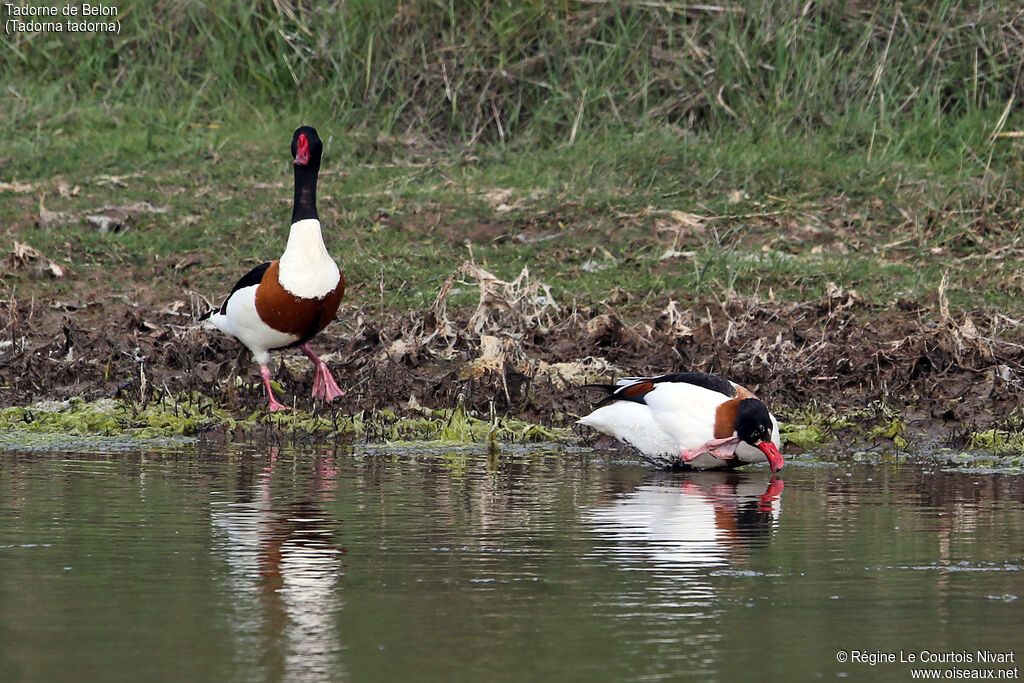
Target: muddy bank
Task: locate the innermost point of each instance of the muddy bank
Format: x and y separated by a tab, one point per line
519	352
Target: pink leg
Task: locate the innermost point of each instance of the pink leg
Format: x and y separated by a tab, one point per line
272	402
723	449
324	386
687	455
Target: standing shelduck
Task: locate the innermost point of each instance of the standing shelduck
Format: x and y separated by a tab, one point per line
285	303
702	420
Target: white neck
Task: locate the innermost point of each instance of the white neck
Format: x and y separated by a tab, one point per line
307	270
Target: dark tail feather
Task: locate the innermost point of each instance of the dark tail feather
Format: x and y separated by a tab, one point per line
607	388
617	392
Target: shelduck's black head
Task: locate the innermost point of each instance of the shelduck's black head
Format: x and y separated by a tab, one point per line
754	426
306	152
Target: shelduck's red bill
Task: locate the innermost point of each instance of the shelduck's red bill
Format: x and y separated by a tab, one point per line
775	461
301	152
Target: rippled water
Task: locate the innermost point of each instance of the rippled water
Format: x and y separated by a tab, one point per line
316	565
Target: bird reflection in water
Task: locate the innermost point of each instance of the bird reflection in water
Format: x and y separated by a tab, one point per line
284	572
673	536
681	526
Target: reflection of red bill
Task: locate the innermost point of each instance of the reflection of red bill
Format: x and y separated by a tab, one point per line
771	494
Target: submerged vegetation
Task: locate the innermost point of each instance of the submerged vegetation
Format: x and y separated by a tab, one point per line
199	417
1004	438
811	425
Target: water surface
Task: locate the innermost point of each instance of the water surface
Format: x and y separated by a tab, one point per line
306	565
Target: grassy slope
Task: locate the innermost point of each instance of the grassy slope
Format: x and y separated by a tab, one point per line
586	220
773	151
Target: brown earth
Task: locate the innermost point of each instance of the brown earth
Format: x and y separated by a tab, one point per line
521	351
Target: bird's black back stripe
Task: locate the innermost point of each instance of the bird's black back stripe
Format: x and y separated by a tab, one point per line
641	386
700	379
253	277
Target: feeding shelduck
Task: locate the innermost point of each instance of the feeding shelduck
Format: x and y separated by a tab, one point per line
702	420
285	303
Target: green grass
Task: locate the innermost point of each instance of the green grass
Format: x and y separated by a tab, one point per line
585	220
506	72
833	142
